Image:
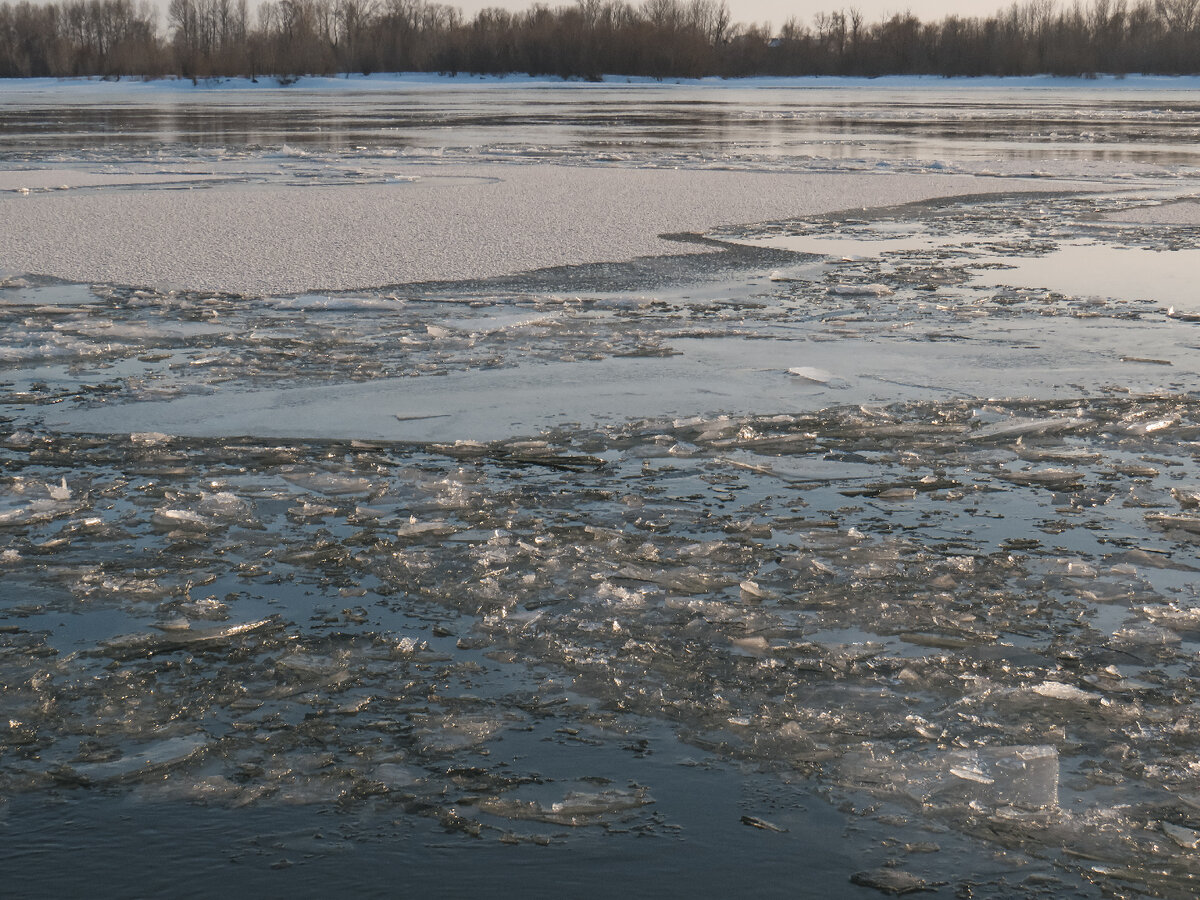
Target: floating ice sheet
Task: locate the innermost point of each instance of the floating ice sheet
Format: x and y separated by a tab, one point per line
456	222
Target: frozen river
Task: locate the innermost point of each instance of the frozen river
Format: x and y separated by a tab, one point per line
536	489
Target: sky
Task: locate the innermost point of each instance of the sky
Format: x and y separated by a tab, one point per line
778	11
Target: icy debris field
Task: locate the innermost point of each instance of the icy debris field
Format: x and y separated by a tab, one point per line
846	554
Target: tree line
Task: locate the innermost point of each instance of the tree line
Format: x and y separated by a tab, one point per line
658	38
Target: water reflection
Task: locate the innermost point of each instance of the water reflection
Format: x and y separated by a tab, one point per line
771	122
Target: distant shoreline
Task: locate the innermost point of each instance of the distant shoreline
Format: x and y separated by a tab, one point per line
658	39
417	80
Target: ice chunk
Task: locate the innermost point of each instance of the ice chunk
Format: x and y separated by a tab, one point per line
860	290
1188	499
1053	479
1110	680
970	773
40	510
808	373
685	580
434	528
1187	838
308	510
149	438
180	519
587	804
395	775
1056	690
762	824
225	506
20	439
756	645
891	881
330	483
144	761
212	789
207	608
1147	634
1025	777
574	809
1022	427
308	665
1152	426
753	592
459	733
133	646
1075	568
1185	524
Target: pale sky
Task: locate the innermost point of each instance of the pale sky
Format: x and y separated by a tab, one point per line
778	11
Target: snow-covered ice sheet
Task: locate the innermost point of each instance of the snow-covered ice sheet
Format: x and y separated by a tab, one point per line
26	180
1181	212
451	223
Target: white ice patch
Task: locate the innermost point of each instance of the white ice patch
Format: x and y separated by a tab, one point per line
459	221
